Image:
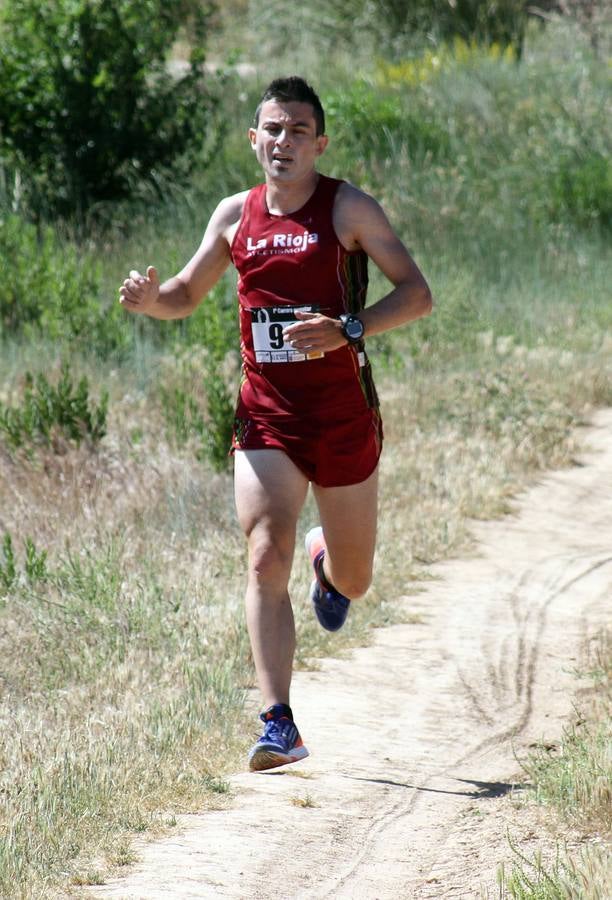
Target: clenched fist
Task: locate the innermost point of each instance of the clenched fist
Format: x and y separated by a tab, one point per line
139	293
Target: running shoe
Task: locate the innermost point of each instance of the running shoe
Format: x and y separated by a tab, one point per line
330	606
279	744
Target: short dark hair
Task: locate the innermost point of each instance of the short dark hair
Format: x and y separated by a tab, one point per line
293	89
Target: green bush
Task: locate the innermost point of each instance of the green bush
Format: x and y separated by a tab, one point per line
88	108
47	413
369	123
582	189
205	422
52	288
197	397
220	416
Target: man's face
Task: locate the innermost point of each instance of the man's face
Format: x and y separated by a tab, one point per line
285	140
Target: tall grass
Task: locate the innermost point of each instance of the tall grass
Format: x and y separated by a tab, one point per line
125	664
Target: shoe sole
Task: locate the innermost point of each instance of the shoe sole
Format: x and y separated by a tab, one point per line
268	759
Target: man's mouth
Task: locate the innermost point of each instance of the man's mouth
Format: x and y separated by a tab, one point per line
279	158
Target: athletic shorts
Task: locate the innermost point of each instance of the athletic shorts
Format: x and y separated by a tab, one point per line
332	453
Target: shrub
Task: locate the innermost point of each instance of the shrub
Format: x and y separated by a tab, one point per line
372	124
582	189
52	288
88	108
49	412
206	421
220	414
34	564
198	396
8	567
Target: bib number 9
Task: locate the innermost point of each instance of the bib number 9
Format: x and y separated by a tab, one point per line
275	332
267	326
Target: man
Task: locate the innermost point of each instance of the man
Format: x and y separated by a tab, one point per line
307	410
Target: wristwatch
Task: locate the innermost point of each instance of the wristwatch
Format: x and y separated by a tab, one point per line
352	328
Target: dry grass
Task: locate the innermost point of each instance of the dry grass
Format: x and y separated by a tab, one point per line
125	669
573	779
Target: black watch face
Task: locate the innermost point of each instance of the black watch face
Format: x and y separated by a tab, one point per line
354	329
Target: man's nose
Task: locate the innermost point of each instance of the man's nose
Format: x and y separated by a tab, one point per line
283	139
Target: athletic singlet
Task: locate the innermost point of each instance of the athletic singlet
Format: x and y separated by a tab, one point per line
288	262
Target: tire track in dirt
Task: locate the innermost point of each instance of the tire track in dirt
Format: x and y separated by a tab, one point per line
526	660
413	739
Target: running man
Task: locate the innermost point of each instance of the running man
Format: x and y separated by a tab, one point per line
307	409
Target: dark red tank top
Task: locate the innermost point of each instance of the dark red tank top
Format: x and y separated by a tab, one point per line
288	262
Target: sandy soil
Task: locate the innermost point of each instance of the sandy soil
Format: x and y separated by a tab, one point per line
413	739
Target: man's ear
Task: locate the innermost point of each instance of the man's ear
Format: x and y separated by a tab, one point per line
322	142
252	137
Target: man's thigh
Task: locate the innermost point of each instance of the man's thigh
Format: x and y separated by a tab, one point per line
269	490
348	516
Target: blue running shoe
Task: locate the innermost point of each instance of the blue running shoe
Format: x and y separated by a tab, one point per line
330	606
279	744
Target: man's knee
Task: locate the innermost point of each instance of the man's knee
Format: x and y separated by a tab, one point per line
270	556
353	584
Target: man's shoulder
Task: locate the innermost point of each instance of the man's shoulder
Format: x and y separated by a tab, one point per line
226	218
352	199
353	209
230	208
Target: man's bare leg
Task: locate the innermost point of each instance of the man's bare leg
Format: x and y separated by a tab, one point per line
270	492
349	516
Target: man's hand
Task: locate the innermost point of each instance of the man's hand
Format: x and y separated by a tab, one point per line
139	293
314	333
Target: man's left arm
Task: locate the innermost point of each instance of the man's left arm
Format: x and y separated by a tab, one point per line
362	221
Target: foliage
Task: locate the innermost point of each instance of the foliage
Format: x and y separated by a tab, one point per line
429	63
581	189
390	26
220	408
494	21
198	400
220	399
34	564
52	288
204	422
469	148
532	879
48	414
8	568
378	124
88	109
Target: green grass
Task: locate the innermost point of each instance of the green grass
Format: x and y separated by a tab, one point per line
574	778
589	877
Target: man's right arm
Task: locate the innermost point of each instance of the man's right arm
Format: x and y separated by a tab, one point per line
179	296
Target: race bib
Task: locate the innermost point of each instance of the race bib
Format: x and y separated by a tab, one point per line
267	326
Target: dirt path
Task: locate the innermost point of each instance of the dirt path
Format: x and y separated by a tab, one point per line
413	738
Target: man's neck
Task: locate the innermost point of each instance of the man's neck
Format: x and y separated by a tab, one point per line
285	198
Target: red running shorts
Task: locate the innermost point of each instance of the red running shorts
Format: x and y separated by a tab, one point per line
333	452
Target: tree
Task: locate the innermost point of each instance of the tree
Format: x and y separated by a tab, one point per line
87	105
